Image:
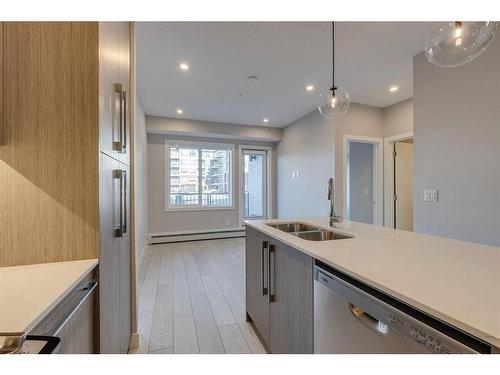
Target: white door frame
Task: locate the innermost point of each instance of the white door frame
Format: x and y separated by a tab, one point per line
389	175
269	180
378	175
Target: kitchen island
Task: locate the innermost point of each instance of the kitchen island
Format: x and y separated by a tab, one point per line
453	281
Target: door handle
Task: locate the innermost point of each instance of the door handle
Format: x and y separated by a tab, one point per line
371	322
122	227
272	282
121	144
263	268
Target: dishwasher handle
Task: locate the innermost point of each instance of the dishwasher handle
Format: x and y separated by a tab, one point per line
358	313
369	321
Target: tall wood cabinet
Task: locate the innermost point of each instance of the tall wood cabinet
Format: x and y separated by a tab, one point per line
65	155
114	142
279	292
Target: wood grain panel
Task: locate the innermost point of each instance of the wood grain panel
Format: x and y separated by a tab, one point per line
291	313
49	155
1	84
257	303
114	66
78	334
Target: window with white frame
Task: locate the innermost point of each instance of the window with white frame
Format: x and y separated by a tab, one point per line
198	175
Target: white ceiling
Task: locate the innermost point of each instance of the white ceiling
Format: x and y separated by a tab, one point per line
285	56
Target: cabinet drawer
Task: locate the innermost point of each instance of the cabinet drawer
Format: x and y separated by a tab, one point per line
78	333
74	319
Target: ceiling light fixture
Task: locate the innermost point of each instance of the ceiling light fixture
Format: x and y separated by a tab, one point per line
457	43
393	88
335	103
180	111
265	120
184	66
309	88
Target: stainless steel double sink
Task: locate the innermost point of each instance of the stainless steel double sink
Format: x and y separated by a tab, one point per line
309	232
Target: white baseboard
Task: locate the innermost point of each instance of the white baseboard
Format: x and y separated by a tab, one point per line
134	341
193	235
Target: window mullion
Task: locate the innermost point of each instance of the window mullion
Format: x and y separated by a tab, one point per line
200	172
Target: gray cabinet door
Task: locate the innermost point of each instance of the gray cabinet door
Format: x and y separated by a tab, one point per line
125	269
291	296
114	260
114	90
257	290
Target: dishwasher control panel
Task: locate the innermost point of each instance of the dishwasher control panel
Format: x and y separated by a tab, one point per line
433	340
424	336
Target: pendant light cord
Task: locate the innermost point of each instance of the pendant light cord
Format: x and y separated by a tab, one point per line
333	59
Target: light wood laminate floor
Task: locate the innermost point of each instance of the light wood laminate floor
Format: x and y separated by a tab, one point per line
191	299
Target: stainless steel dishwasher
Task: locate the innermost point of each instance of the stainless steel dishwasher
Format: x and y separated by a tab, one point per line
352	317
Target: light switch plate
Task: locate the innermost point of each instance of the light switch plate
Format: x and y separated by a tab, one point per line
431	195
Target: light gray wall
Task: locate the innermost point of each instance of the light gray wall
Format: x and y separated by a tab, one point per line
312	146
141	179
361	182
305	162
398	118
161	221
181	127
457	149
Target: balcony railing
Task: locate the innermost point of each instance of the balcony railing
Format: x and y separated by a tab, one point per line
208	199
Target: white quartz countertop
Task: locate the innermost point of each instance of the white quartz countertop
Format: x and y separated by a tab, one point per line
29	293
455	281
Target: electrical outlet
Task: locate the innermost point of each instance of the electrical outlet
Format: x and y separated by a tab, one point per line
431	195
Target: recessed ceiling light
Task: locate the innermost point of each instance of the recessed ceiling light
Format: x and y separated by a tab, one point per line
184	66
180	111
393	88
265	120
309	87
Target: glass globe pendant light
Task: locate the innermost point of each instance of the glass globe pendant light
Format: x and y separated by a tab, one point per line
336	101
456	43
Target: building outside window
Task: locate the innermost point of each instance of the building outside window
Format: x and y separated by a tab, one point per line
199	175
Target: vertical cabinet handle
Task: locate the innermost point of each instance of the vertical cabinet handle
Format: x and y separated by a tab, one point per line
123	99
119	230
124	202
121	144
272	265
263	267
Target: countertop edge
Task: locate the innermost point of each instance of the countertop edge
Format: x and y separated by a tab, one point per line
56	301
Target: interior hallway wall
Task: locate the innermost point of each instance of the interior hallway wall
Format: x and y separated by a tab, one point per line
457	151
398	118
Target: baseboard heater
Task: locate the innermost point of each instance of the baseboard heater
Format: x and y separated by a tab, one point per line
160	238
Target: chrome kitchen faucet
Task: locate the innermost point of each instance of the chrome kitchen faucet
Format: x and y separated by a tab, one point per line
331	197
